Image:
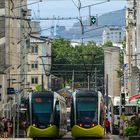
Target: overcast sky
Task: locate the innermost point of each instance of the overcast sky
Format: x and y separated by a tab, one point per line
68	8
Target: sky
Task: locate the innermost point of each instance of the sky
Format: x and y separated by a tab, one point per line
69	8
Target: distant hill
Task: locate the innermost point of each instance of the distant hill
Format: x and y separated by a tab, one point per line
115	18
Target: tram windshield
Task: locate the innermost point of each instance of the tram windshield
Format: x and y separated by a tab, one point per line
41	111
87	108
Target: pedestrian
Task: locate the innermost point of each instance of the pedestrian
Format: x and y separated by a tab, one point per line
1	127
9	125
5	133
107	126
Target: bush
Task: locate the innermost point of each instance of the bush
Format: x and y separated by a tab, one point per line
131	130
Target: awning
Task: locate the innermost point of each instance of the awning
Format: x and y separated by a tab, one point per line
136	96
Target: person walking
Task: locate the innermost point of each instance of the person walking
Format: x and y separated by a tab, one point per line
9	125
107	126
5	133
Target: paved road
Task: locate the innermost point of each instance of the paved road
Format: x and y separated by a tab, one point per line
69	137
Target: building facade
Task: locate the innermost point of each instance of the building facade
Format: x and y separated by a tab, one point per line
39	63
113	34
15	30
132	56
111	65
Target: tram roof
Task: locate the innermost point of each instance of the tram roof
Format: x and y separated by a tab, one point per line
42	94
84	93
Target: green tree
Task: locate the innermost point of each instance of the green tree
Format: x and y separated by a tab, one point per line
83	57
107	44
38	88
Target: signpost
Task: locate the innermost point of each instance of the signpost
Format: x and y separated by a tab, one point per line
92	20
138	101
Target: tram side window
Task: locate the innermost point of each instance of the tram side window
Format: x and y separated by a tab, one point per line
57	114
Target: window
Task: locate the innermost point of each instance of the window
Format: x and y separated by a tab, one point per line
35	49
34	65
34	80
87	109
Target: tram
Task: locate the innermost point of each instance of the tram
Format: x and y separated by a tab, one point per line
47	115
87	114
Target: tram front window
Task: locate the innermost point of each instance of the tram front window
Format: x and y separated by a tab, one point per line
87	110
41	111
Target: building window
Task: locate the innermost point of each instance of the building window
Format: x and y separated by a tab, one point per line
35	49
34	80
34	65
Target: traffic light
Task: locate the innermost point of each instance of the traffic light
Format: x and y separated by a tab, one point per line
122	98
138	101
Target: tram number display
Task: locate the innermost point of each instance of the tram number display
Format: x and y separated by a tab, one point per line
38	100
42	100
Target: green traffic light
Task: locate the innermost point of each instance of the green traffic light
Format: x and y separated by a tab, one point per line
138	101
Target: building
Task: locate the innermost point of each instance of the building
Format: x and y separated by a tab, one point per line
3	65
113	34
39	63
111	65
132	56
13	40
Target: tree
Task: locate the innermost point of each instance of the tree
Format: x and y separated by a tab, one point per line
82	58
38	87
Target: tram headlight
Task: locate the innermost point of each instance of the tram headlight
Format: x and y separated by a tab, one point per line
92	124
80	124
50	125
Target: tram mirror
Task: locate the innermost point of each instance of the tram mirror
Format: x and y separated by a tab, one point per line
57	108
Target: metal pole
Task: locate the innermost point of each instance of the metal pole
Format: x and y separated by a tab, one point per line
14	121
88	81
73	80
95	79
107	92
18	102
42	82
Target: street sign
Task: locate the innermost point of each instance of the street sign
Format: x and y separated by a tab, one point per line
92	20
138	101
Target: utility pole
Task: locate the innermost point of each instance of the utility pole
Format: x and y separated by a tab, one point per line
129	29
73	80
42	82
89	73
88	77
106	89
96	79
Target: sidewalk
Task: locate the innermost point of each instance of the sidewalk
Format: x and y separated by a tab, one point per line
115	137
15	138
